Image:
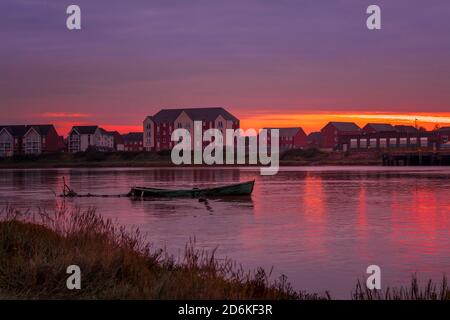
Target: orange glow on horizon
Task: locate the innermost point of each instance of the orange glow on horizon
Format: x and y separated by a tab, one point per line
315	121
308	121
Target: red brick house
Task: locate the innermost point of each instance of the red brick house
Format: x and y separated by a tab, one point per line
41	139
133	141
378	128
289	138
314	140
406	129
117	140
333	131
443	135
159	127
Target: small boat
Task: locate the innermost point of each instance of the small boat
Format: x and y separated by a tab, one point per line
238	189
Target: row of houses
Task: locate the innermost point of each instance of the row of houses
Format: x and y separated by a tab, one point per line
158	129
29	139
81	138
341	136
39	139
348	136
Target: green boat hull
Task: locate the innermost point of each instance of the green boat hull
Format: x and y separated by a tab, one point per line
239	189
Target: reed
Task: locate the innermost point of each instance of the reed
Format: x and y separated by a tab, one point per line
35	250
431	291
119	263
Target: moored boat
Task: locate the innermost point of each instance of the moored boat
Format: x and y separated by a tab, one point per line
238	189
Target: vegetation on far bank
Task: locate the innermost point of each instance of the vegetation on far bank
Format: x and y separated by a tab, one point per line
94	158
35	251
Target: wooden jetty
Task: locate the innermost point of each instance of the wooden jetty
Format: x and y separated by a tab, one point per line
416	157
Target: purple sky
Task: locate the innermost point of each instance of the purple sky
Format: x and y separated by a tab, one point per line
261	56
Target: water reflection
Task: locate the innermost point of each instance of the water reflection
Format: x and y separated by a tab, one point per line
320	226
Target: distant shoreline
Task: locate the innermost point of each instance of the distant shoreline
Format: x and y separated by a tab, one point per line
62	165
310	157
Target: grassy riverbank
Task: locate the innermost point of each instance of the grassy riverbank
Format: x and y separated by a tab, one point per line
115	264
94	159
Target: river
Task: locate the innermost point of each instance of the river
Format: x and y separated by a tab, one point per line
320	226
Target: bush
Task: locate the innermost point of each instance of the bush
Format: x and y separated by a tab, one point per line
311	153
25	157
164	153
92	154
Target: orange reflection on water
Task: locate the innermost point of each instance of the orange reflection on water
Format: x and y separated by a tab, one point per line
362	208
424	211
315	211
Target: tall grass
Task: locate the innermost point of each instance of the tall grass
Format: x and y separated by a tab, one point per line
35	251
115	263
431	291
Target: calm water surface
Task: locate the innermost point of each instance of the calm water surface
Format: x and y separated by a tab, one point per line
321	227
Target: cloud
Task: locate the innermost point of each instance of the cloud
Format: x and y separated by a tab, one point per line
57	115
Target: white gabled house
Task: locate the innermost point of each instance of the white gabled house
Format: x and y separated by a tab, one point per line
6	143
82	137
28	139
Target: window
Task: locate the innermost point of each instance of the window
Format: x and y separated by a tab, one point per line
413	142
403	142
353	143
383	143
393	142
373	143
74	143
363	143
32	144
220	124
179	125
424	142
5	149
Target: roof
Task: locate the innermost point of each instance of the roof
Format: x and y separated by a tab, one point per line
345	126
107	133
42	129
380	127
203	114
443	129
85	129
15	130
405	129
118	139
133	136
287	132
314	137
21	130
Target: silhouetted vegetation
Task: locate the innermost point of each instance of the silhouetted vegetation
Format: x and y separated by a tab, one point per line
35	251
115	264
